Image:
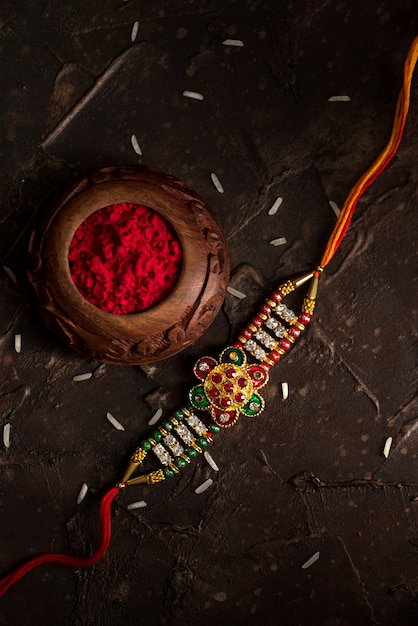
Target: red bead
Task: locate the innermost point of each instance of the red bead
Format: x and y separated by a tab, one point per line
216	377
242	382
266	309
225	402
285	343
230	372
276	296
304	318
257	321
239	397
274	356
228	387
247	333
208	435
238	344
294	332
213	393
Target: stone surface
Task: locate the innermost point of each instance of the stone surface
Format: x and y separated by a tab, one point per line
308	474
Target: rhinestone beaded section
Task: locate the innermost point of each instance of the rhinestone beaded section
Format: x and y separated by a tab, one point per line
175	443
275	327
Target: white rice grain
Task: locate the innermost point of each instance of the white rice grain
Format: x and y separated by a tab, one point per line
211	462
339	99
275	206
278	242
6	435
194	95
154	419
137	505
285	391
134	31
217	183
10	274
78	377
114	422
311	561
135	145
82	493
204	486
388	445
236	293
18	343
233	42
334	206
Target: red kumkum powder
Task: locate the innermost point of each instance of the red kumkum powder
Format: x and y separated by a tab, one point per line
125	258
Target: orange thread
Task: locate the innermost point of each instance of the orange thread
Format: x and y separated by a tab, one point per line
379	164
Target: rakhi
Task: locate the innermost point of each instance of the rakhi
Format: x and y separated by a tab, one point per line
229	386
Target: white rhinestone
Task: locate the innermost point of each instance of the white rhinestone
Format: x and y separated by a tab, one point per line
185	434
288	315
281	307
224	417
253	406
196	424
272	323
251	345
280	331
261	335
162	454
203	367
269	342
169	440
259	353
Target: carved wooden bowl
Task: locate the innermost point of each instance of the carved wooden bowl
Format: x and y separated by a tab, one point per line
160	331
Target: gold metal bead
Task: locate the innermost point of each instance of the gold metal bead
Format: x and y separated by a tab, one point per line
174	421
287	287
298	325
280	350
308	306
271	303
289	337
242	339
163	431
185	457
268	361
156	477
252	327
173	467
138	456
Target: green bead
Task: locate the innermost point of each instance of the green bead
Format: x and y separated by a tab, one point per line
178	414
145	445
180	463
191	453
168	472
156	435
202	442
167	425
214	428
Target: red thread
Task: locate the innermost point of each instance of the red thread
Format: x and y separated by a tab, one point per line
64	559
125	258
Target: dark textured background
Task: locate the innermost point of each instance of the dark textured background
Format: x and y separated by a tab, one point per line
309	474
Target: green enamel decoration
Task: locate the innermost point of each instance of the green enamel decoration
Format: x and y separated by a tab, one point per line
254	406
178	414
198	397
233	355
